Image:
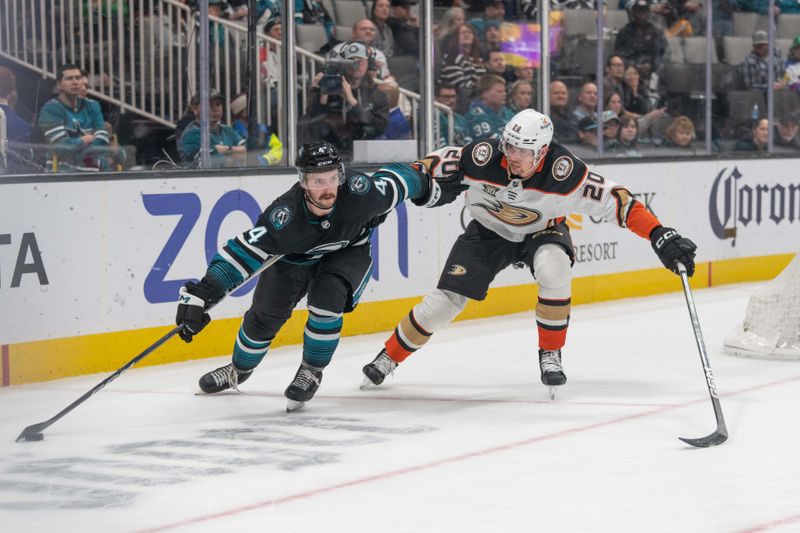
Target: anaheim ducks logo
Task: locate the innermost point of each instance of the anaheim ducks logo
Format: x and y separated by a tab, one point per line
511	215
457	270
562	168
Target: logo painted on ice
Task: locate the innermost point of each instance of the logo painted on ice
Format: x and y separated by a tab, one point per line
280	216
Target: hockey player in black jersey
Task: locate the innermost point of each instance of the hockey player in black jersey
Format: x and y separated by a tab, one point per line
521	188
321	227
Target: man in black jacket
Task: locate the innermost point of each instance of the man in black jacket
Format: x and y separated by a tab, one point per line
346	104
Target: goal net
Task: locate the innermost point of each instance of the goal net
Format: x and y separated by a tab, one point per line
771	327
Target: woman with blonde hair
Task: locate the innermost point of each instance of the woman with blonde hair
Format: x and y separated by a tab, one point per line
680	133
520	95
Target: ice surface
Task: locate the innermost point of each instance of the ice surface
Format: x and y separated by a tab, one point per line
462	438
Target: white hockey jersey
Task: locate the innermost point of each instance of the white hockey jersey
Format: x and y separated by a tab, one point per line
514	207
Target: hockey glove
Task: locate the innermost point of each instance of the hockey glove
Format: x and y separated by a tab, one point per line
671	248
444	188
194	299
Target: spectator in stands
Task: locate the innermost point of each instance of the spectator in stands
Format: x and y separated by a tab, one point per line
786	131
348	106
17	129
379	15
397	127
756	139
74	127
313	12
610	127
365	30
680	133
462	59
634	97
447	95
563	129
587	102
489	114
520	96
267	144
677	17
94	103
405	27
791	76
493	10
495	62
613	102
491	37
762	6
754	70
640	39
615	69
587	134
191	114
452	19
525	72
270	55
227	147
627	144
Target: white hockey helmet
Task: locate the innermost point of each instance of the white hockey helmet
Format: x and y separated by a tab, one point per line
529	130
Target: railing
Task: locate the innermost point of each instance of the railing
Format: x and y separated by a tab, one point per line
141	55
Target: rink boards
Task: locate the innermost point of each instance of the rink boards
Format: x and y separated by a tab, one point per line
89	270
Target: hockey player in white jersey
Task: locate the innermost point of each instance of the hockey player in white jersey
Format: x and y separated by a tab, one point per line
520	190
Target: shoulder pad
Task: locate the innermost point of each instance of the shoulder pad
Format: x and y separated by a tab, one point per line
479	154
562	172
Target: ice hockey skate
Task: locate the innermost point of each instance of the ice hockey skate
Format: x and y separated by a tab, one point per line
303	387
376	371
552	372
225	377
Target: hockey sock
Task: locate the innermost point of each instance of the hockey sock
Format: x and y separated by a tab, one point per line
248	352
552	320
321	337
408	337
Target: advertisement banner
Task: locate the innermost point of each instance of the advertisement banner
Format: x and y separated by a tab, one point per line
78	258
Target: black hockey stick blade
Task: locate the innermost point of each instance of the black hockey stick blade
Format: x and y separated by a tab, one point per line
34	432
718	437
721	434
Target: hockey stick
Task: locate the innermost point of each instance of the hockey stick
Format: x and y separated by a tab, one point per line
721	434
34	432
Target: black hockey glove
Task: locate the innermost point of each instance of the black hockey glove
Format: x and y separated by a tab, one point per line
442	189
193	300
671	248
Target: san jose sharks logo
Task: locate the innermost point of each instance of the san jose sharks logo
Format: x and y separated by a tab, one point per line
359	184
280	216
511	215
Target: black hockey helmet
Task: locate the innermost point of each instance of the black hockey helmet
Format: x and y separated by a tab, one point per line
317	157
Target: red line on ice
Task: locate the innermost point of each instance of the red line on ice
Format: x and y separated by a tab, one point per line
769	525
463	457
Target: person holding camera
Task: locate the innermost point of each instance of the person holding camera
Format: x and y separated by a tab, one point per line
346	103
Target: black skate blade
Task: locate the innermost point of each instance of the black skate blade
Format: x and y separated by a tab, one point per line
293	405
718	437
